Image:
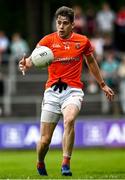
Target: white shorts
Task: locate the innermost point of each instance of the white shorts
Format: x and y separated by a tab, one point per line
54	102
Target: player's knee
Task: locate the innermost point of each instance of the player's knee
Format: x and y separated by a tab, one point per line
45	140
69	122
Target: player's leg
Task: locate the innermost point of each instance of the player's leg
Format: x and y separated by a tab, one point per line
69	114
70	109
46	132
48	124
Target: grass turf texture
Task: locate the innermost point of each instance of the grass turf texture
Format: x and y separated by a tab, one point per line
86	164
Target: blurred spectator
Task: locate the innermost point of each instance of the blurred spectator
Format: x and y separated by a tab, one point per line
120	29
108	43
4	44
92	86
80	20
121	74
109	69
105	19
18	46
1	92
91	22
98	43
1	85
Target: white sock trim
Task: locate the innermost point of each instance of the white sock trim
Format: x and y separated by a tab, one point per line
66	155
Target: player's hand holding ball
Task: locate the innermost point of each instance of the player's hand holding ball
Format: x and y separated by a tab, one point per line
41	57
25	64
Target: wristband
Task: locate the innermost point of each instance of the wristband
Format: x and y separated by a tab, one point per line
102	84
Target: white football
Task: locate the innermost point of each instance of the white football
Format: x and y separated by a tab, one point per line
42	56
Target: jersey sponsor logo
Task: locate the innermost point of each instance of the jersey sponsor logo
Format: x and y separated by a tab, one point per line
67	60
56	45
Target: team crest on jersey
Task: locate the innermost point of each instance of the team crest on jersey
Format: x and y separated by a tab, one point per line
77	45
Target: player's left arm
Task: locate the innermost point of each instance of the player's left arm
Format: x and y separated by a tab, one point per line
95	70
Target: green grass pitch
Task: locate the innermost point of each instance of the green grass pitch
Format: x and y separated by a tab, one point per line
85	164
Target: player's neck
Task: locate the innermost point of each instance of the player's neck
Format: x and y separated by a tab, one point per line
66	38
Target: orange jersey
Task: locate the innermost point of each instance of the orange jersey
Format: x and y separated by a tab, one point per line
68	55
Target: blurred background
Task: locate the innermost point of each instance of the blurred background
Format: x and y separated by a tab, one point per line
22	24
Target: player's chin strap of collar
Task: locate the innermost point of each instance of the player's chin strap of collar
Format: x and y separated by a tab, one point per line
59	85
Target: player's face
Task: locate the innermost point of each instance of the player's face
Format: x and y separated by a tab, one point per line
64	26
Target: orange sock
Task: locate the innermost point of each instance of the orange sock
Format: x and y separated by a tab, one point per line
40	165
66	161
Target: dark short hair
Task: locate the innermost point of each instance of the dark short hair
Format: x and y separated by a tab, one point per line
65	11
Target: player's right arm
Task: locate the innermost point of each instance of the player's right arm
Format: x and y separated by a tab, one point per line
25	64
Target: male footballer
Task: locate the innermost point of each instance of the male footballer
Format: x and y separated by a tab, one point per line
64	90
